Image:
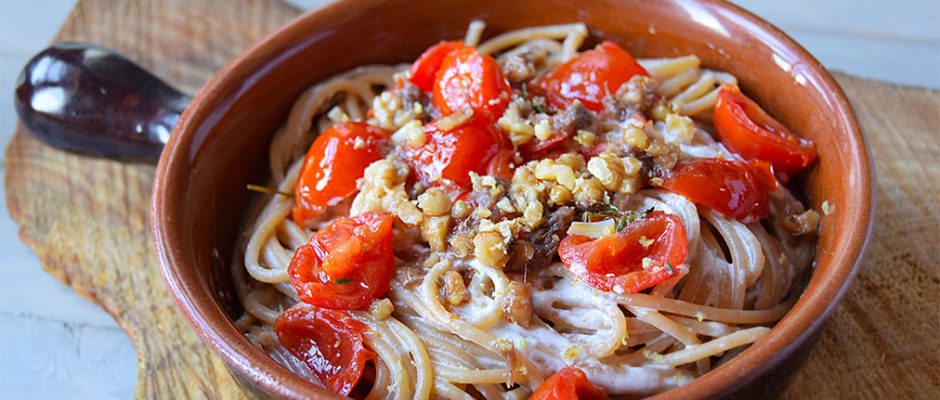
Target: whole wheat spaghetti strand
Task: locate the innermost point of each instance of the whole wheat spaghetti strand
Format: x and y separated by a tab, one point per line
710	348
513	38
430	348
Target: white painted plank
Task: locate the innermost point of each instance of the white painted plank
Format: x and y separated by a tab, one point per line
53	343
33	292
905	20
897	41
46	359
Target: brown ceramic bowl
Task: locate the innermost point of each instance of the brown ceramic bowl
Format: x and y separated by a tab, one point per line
220	144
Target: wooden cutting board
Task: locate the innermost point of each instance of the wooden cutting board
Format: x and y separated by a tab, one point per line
88	219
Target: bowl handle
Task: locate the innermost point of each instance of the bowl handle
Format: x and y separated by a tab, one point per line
89	100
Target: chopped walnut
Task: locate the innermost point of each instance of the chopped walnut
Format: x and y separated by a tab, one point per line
547	169
516	303
523	63
543	130
617	174
588	192
680	127
455	120
803	223
532	215
636	137
559	195
640	90
490	249
575	161
381	309
520	129
434	202
462	245
412	132
455	291
528	193
382	188
460	210
434	231
390	112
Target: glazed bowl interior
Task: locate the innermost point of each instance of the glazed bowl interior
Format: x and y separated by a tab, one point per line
221	142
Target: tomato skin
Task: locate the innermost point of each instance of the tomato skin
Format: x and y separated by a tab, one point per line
502	165
621	254
347	264
448	157
569	384
333	164
745	128
467	78
538	148
590	76
328	341
737	189
426	66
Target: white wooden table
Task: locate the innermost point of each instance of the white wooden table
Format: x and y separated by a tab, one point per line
55	344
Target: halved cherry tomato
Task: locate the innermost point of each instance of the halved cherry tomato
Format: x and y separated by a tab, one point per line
745	128
569	384
347	264
537	148
502	164
590	76
468	79
559	144
448	157
336	159
426	66
616	263
328	341
737	189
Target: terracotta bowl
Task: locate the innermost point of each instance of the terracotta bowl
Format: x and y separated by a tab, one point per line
221	142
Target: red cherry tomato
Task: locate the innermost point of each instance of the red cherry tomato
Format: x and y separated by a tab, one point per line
737	189
569	384
590	76
745	128
336	159
502	164
538	148
615	263
328	341
468	79
558	144
448	157
347	264
426	66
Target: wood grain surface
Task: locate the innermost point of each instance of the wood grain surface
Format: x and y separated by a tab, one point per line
88	220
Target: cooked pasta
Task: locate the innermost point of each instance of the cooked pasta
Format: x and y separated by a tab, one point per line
480	303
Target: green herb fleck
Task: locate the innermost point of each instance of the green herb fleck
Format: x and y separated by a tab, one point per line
595	216
670	268
654	356
344	280
623	218
525	93
537	108
267	190
636	216
611	209
621	224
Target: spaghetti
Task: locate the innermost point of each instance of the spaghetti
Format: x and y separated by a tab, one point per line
484	302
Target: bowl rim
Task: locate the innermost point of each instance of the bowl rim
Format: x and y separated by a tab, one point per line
788	334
